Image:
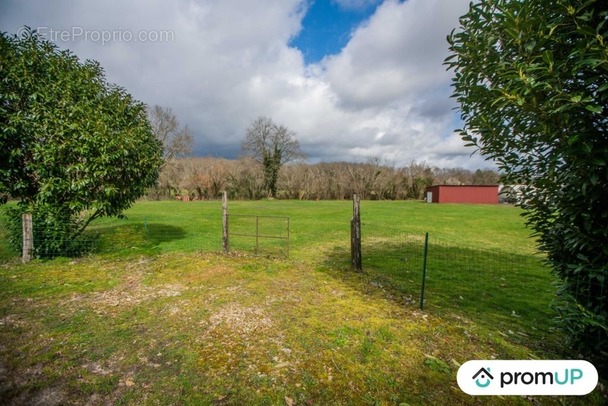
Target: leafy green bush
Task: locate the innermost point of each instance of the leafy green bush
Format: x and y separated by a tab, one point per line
73	147
55	233
531	80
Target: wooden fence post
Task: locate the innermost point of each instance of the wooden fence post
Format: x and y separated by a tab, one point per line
225	242
355	235
28	238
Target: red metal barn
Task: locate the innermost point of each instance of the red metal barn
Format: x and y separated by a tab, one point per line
483	194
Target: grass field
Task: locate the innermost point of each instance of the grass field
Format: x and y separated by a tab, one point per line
159	316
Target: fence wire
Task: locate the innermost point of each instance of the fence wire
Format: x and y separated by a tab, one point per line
261	235
461	279
187	228
181	229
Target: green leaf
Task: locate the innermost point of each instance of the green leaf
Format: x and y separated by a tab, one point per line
594	108
552	55
64	120
530	45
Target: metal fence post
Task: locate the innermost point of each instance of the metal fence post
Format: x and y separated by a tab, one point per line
287	237
257	233
426	250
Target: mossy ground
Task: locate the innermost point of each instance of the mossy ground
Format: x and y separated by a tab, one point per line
153	324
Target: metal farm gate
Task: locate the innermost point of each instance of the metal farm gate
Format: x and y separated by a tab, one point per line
264	235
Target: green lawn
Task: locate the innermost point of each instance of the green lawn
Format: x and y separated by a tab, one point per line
196	226
159	316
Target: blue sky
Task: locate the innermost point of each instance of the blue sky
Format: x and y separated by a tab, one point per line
327	28
354	79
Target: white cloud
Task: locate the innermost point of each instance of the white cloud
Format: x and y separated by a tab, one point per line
397	55
386	94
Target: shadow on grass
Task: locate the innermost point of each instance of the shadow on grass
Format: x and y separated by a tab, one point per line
6	253
117	239
130	237
505	292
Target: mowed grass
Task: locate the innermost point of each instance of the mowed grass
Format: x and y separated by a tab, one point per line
197	226
159	316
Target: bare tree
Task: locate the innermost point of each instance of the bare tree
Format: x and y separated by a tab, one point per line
417	177
485	177
177	142
245	180
272	146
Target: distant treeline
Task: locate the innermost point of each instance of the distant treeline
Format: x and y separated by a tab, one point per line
207	178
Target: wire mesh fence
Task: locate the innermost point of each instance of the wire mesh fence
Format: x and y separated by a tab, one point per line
148	228
157	227
118	239
458	277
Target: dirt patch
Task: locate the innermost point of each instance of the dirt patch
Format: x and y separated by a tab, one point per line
240	320
131	292
12	321
131	295
49	396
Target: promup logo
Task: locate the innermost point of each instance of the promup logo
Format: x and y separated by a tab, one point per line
527	377
483	375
